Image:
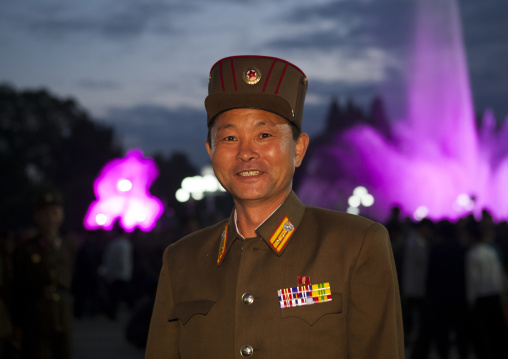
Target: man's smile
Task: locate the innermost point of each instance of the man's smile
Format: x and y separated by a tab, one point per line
249	173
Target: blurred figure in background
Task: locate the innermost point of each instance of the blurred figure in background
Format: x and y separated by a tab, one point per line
9	346
414	282
117	268
86	277
398	234
484	282
446	291
42	278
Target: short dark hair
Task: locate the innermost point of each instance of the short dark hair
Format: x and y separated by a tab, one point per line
294	129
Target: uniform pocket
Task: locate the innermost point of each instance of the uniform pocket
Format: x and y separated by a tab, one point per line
312	313
186	310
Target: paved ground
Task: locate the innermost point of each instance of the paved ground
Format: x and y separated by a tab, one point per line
102	338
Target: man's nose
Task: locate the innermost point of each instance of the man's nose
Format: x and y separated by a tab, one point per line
247	151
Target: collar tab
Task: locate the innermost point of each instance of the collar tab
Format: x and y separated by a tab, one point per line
223	243
279	228
281	235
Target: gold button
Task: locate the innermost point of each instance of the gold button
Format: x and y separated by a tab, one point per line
247	299
246	351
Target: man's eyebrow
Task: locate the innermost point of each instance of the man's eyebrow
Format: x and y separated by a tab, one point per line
262	123
257	124
226	126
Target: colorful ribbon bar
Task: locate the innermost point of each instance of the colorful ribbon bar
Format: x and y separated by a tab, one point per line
304	295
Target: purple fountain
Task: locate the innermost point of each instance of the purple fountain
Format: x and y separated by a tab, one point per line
437	162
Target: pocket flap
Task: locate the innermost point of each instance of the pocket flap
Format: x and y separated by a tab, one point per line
312	313
185	310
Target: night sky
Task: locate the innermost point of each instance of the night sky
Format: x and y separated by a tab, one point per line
142	66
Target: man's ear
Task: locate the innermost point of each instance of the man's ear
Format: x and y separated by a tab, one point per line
301	148
208	148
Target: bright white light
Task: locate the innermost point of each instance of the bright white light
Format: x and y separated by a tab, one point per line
207	170
210	183
463	199
197	195
124	185
192	184
101	219
140	216
197	186
182	195
360	191
420	213
367	200
354	201
353	210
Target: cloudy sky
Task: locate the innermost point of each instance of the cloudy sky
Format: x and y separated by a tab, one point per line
142	65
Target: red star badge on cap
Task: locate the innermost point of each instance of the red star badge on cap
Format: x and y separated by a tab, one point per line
251	76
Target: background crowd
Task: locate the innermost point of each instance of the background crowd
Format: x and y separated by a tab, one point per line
451	277
50	277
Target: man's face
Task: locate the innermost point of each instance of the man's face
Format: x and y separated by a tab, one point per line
254	154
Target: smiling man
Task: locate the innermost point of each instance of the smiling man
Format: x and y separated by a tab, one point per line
277	279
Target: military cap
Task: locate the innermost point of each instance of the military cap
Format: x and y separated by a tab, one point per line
48	198
262	82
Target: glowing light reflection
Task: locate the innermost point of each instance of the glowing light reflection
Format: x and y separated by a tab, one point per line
197	186
122	192
124	185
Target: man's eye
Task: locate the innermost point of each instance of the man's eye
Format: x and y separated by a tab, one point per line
229	138
265	135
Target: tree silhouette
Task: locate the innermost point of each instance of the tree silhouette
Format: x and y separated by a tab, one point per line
48	142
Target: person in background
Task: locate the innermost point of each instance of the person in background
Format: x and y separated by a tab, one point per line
446	292
9	346
42	278
117	268
414	287
86	276
484	285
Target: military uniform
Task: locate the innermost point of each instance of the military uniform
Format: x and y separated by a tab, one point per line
42	305
312	283
214	303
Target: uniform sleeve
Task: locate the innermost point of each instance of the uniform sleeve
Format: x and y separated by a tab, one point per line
375	329
162	340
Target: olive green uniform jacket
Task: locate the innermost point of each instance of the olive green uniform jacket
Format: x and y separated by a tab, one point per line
42	307
199	309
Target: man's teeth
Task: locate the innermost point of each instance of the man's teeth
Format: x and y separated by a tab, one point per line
249	173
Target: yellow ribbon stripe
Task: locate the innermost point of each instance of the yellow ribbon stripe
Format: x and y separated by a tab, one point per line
321	291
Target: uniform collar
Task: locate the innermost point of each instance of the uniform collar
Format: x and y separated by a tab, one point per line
277	230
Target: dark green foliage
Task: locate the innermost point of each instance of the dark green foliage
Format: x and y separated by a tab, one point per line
48	142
